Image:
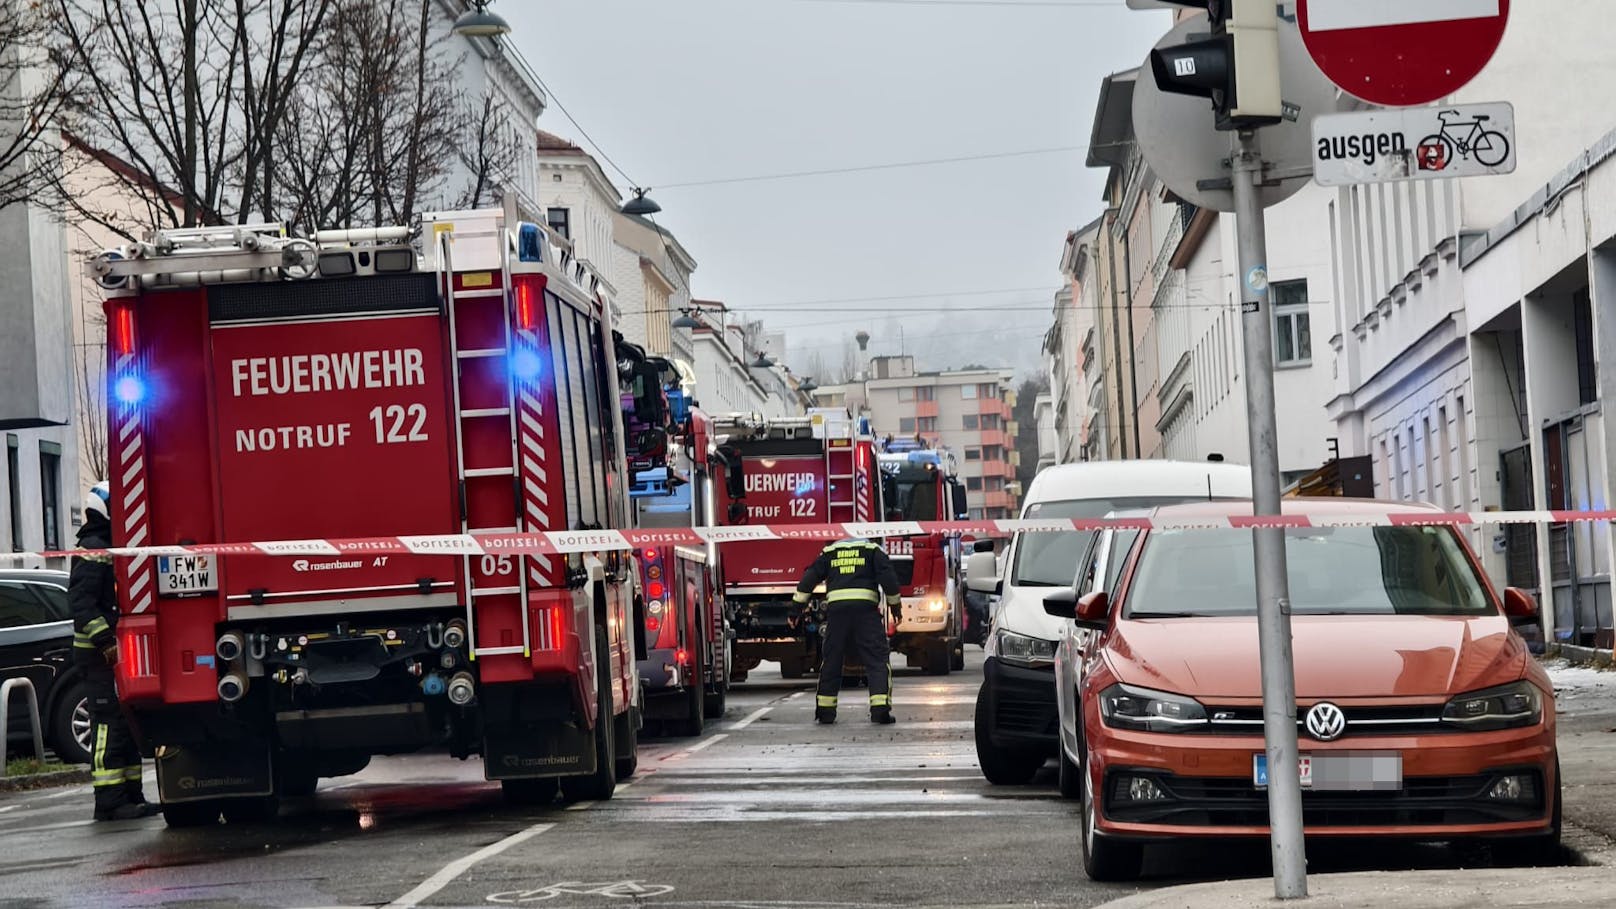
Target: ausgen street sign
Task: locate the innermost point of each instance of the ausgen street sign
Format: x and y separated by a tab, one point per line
1425	143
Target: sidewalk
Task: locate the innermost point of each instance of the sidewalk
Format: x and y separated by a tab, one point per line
1538	888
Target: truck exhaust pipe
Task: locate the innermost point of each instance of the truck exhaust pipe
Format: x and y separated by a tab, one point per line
462	688
232	688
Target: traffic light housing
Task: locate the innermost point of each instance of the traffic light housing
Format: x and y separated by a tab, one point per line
1236	66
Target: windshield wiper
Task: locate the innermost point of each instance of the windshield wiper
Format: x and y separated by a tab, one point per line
1022	583
1169	615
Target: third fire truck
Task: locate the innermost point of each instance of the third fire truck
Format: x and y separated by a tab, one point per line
453	378
920	485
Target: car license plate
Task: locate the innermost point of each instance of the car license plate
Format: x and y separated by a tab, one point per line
1347	771
178	575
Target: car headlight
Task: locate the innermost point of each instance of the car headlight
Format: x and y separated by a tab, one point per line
1022	650
1127	707
1504	707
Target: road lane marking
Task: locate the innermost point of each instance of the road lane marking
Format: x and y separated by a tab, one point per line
750	718
706	743
461	865
585	806
797	695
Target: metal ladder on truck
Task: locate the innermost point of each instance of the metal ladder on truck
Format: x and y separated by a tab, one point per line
480	337
841	482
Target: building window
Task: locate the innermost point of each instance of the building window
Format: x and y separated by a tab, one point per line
972	421
906	394
50	492
975	514
926	424
560	221
1293	334
14	488
926	393
1583	329
973	454
968	392
906	425
988	391
973	484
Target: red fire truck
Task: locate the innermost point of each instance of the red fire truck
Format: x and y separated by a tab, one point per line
451	378
818	469
685	657
922	486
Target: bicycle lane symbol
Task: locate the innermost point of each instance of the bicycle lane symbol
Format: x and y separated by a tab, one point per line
622	890
1466	139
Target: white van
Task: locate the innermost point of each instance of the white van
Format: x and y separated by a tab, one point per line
1016	716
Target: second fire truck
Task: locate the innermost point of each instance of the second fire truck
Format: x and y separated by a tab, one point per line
920	485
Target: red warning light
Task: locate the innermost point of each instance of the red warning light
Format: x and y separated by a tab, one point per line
654	590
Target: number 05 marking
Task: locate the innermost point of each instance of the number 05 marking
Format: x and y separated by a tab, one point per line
397	413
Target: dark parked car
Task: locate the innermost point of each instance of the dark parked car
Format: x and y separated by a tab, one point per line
36	643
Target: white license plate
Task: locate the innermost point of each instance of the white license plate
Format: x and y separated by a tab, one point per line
182	574
1349	771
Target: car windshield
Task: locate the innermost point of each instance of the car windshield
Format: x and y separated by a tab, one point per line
1050	559
1332	571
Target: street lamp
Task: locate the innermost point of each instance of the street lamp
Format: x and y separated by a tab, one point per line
640	204
686	320
478	22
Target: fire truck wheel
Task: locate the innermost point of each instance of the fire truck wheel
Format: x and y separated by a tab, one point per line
628	741
939	659
793	667
956	655
694	719
598	786
257	810
715	706
191	814
529	792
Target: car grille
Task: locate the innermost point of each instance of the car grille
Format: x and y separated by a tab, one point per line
1018	715
1235	802
1419	719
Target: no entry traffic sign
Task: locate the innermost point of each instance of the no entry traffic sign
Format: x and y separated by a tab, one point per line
1402	53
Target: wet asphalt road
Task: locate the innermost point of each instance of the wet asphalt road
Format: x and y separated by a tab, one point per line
765	809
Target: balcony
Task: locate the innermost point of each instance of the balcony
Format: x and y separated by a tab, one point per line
925	409
999	500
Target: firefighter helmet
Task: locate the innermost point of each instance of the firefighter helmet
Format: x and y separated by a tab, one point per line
95	501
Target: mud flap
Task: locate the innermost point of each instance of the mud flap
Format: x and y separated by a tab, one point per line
220	770
560	749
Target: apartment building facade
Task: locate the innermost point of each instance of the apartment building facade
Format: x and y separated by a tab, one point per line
967	411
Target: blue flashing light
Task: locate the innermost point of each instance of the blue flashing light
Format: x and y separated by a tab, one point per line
526	365
129	390
529	243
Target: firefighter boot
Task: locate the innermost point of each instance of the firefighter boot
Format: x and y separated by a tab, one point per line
825	715
882	716
128	811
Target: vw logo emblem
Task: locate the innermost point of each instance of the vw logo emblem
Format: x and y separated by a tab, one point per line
1326	722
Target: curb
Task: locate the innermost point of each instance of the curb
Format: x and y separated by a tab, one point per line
44	780
1582	656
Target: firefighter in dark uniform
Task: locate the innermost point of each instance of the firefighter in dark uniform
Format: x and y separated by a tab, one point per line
856	573
91	590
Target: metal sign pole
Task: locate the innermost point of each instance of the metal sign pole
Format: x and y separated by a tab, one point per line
1273	589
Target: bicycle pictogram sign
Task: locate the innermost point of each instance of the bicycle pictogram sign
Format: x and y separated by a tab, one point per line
619	890
1466	139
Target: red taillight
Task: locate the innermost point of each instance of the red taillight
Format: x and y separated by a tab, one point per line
652	623
551	627
121	331
654	590
682	657
529	293
651	555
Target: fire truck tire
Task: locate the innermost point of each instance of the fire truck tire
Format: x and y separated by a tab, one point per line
695	718
715	701
598	786
793	667
180	815
956	654
529	792
628	743
939	659
296	778
259	810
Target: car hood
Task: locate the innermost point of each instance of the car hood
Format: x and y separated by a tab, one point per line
1336	656
1021	610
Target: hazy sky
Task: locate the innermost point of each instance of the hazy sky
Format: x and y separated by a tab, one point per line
686	91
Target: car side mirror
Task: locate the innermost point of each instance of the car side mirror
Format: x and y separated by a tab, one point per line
1062	604
982	573
1518	604
1093	610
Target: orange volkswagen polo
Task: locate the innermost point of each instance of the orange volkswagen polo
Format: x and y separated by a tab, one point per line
1420	712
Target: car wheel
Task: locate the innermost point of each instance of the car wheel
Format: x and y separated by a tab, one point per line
1002	766
1105	858
72	732
1071	778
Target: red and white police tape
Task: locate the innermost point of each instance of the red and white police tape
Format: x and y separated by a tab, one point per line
562	542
